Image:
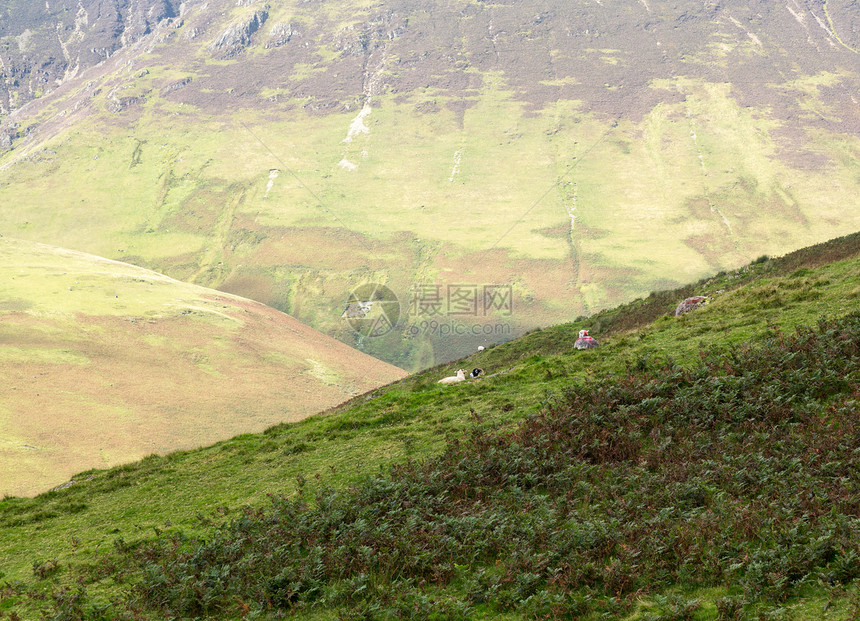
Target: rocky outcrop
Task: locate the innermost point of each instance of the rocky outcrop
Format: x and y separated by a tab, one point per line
237	36
144	15
175	85
44	43
192	33
11	132
689	304
280	35
8	136
118	104
358	40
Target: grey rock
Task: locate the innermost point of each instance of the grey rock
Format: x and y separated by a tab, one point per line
689	304
176	85
280	35
118	104
8	136
238	36
68	36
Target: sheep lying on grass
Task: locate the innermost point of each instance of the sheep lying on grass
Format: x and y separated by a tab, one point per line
476	372
461	376
584	341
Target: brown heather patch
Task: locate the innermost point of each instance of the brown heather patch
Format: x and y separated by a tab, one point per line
789	212
542	280
279	271
334	248
555	232
713	248
745	203
845	17
699	208
156	385
199	213
534	281
252	283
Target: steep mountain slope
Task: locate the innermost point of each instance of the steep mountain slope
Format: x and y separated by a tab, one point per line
562	156
41	46
104	363
710	456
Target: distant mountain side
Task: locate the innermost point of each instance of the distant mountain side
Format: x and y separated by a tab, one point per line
43	45
441	44
562	156
104	363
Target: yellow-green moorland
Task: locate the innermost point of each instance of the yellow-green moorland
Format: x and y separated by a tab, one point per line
104	363
386	145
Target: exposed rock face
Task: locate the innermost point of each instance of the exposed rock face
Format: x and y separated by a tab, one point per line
118	104
8	136
175	85
238	36
42	44
280	35
144	15
192	33
360	40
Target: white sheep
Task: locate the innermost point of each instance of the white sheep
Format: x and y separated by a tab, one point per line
585	341
460	377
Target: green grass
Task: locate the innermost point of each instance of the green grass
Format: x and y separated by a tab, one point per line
188	492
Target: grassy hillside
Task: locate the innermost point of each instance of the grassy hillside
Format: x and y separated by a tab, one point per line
104	363
580	154
697	467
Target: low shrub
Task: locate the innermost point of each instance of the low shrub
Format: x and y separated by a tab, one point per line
741	470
